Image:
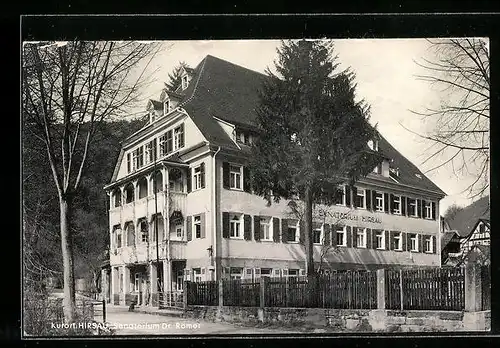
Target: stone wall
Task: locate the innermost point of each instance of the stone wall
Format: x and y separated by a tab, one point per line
347	320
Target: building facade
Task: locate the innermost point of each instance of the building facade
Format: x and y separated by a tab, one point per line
182	207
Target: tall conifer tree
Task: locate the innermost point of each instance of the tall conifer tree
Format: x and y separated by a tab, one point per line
314	134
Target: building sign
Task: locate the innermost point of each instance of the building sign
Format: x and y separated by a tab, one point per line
348	216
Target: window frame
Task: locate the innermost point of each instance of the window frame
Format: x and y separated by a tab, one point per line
196	225
399	200
315	230
428	208
239	223
240	173
428	239
382	240
398	236
266	221
343	202
144	233
197	277
363	234
364	198
179	286
167	106
297	233
184	82
413	238
181	227
410	205
382	207
197	178
176	136
342	231
137	280
235	275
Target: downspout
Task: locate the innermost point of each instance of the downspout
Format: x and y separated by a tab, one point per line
214	215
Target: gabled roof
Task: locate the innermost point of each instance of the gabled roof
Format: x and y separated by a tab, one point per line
446	237
221	89
464	220
156	104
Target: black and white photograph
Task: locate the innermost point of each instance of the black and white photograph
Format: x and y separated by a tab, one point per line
255	187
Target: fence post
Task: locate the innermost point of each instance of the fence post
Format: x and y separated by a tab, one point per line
401	287
473	291
381	289
104	310
186	294
221	292
262	297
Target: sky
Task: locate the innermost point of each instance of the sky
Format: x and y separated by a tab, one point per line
386	77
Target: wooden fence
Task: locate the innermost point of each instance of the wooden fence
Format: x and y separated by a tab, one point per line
485	288
202	293
427	289
244	293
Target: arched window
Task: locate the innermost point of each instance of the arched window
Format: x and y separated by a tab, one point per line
129	193
130	233
143	187
117	195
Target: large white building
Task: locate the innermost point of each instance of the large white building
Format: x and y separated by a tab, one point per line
183	175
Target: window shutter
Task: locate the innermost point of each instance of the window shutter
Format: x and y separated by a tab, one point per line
202	223
387	238
256	227
225	175
419	208
354	237
247	227
181	135
391	240
369	238
420	243
347	195
349	236
189	228
202	173
326	230
386	202
434	212
404	241
333	234
391	202
284	230
408	209
247	187
169	142
374	239
374	199
433	244
189	177
225	225
276	230
368	195
403	205
354	190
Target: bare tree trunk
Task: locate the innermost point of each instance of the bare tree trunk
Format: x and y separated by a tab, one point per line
308	201
69	306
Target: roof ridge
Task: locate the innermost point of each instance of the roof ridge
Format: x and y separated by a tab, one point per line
237	65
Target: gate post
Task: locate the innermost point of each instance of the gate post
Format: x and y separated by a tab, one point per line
186	294
473	291
221	292
381	289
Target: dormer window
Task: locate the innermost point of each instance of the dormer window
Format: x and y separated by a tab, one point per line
184	82
373	145
166	107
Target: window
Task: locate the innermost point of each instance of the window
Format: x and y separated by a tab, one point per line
137	280
130	234
277	273
397	241
180	281
341	236
265	228
413	242
293	272
129	163
236	272
380	240
265	272
396	205
179	230
361	238
144	231
179	137
292	233
117	232
340	197
412	205
235	177
184	82
246	138
360	198
379	201
428	244
197	226
317	236
166	107
235	227
428	210
482	229
150	151
197	178
139	157
197	274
